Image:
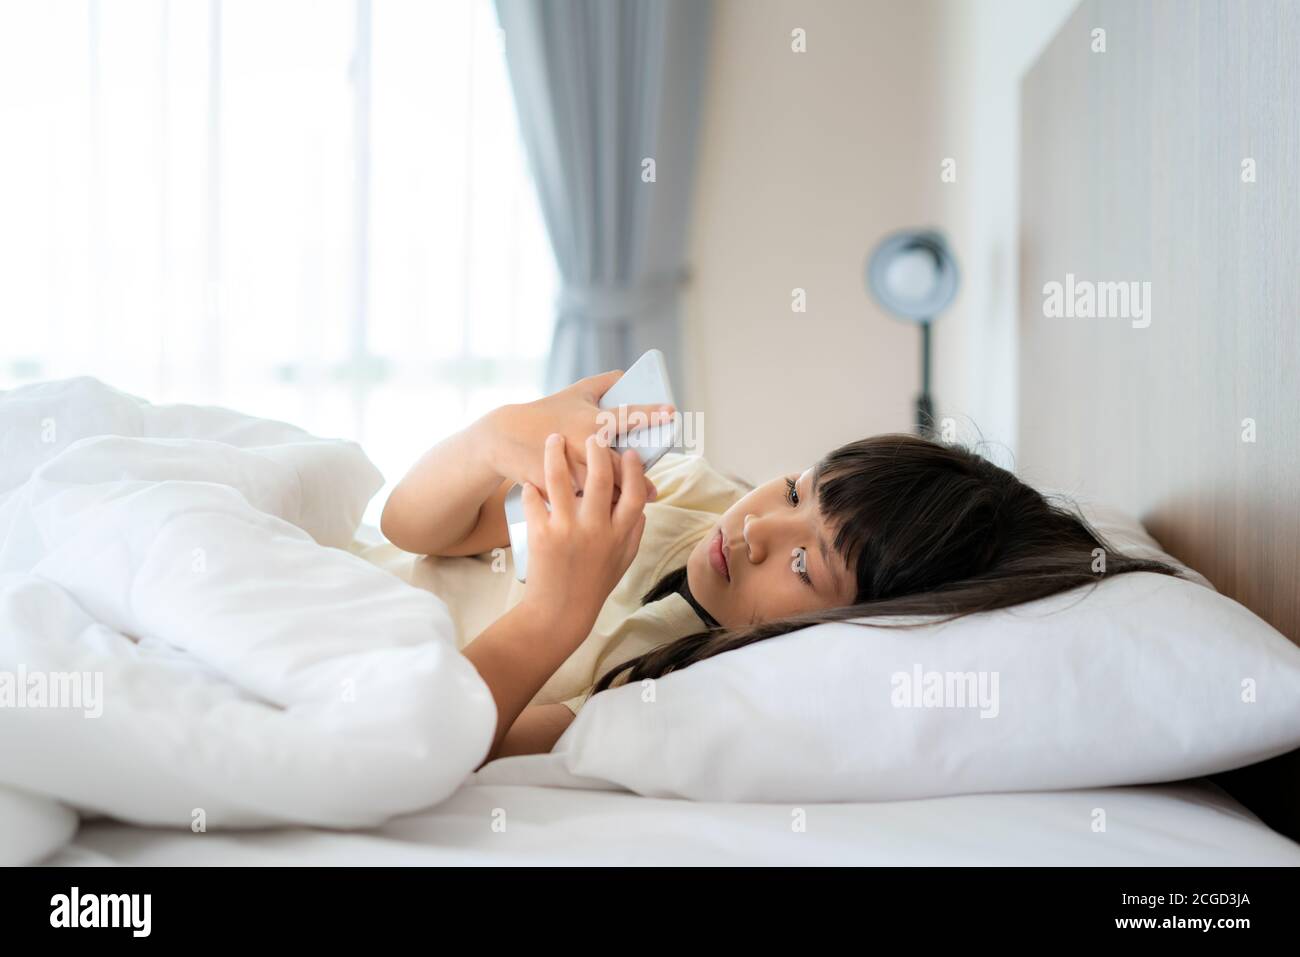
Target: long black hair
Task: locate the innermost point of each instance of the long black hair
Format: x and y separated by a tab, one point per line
929	529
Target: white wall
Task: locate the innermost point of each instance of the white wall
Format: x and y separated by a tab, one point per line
988	47
806	161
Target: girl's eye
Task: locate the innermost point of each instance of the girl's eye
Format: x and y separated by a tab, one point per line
799	564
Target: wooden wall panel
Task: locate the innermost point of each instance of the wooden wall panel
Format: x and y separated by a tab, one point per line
1131	170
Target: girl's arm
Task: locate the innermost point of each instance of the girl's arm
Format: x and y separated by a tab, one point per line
452	501
515	656
577	553
536	730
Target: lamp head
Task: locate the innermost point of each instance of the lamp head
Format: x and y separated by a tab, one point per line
913	274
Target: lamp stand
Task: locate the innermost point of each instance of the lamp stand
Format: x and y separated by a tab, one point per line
924	405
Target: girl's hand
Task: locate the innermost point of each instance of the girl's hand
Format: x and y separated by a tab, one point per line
580	549
515	433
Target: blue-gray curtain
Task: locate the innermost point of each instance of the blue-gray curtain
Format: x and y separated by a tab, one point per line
601	85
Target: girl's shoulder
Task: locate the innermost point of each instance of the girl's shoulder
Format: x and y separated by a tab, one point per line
689	481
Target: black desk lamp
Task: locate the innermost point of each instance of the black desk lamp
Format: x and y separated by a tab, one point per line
913	275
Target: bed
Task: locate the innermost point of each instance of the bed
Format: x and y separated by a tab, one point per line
1194	824
531	811
1179	464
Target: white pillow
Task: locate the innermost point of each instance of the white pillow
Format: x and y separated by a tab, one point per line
1145	678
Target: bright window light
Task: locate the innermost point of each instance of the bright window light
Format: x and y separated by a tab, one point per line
309	210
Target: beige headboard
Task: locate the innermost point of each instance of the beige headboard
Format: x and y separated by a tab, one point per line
1172	158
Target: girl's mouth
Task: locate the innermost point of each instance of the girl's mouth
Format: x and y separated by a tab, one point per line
718	556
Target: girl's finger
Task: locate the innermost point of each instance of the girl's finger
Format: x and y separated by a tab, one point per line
651	493
654	412
598	488
598	385
631	504
638	530
615	469
611	424
559	484
632	540
534	506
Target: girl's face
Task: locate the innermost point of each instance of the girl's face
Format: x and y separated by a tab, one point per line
770	556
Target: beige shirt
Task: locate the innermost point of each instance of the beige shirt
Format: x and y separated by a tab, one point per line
480	589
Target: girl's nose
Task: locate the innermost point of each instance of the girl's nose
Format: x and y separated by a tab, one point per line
766	533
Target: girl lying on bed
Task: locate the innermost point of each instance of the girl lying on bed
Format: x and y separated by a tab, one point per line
633	575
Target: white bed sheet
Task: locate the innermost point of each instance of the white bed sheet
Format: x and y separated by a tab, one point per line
1191	824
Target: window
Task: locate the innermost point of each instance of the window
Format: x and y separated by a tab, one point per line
310	210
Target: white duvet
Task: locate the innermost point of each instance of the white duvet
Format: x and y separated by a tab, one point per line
184	642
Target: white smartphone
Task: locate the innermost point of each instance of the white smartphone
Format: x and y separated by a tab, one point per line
645	383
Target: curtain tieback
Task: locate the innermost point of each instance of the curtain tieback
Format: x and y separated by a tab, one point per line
604	303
